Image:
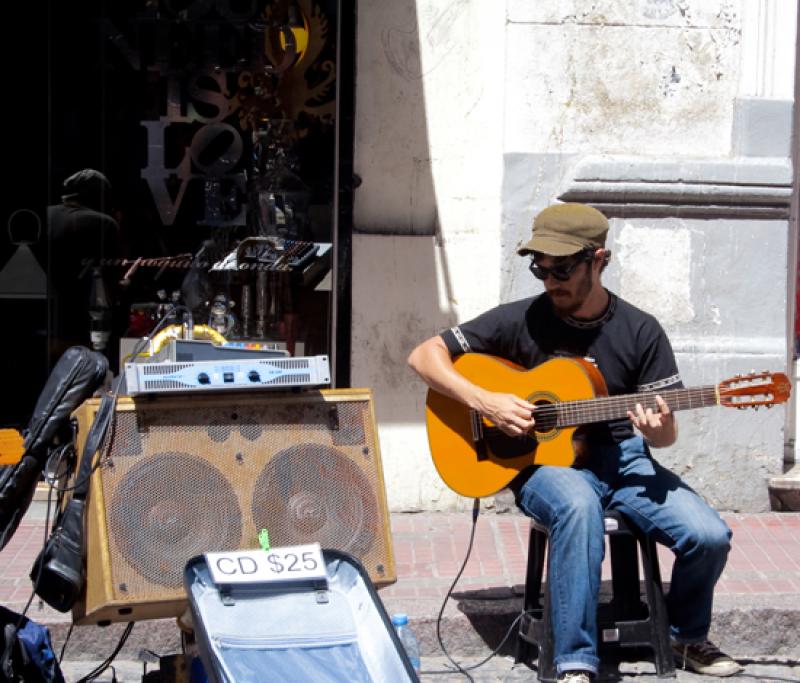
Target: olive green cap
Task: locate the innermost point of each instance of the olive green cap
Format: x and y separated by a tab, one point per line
565	229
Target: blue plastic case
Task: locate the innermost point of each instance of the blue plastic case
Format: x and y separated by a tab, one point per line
296	634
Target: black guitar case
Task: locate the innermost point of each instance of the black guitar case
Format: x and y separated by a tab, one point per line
76	376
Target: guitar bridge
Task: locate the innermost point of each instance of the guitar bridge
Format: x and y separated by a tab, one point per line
476	423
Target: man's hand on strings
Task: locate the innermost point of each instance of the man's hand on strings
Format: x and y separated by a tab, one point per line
657	425
511	414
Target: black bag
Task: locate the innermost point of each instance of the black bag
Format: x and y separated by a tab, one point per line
76	376
26	653
59	573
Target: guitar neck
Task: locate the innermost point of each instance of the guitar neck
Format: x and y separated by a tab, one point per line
605	408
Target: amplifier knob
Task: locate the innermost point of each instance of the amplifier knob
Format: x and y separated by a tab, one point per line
253	376
203	378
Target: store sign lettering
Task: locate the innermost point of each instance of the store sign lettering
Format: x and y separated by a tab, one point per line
215	150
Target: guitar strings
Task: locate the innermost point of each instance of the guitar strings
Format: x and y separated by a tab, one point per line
569	413
603	408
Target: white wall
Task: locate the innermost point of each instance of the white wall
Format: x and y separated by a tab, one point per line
429	150
471	116
620	77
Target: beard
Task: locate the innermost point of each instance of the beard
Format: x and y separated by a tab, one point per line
565	302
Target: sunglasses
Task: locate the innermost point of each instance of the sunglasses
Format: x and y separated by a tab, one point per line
563	271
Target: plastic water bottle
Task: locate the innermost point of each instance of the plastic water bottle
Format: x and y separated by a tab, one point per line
407	637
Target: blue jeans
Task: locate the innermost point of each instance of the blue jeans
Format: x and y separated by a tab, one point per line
624	477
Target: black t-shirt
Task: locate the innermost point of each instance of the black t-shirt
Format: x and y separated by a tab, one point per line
627	345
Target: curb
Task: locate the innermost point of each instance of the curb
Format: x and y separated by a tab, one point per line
743	626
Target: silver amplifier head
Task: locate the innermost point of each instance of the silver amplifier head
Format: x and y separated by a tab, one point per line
225	375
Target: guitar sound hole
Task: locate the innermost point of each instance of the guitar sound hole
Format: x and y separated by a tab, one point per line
545	416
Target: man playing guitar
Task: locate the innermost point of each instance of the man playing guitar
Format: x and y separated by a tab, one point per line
576	317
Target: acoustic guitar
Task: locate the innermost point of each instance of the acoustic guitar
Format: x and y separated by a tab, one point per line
476	459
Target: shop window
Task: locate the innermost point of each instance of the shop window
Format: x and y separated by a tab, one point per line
212	126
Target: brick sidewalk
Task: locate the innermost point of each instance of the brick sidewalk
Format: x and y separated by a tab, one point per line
756	606
430	547
760	585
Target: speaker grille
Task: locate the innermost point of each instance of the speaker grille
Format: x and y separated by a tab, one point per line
156	528
312	492
206	473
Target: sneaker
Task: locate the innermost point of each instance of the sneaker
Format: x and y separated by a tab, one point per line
704	658
575	677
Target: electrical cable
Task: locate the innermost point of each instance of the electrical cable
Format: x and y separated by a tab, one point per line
77	484
66	640
65	489
100	668
22	616
48	530
475	512
114	392
459	668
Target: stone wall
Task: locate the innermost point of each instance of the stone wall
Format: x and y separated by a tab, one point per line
673	117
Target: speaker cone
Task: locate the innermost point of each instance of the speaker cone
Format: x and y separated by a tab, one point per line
309	493
169	508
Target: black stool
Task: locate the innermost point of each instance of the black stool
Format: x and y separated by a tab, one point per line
623	620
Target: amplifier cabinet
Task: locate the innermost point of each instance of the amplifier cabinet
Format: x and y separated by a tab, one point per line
181	476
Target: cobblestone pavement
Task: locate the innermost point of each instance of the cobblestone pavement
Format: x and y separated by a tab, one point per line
503	670
756	611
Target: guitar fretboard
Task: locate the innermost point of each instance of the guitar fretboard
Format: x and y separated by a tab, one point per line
604	408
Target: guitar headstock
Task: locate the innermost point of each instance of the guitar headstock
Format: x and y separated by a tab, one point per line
754	390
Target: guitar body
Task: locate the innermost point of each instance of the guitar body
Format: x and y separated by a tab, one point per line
12	446
474	458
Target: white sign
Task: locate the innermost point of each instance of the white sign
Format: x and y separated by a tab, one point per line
298	562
